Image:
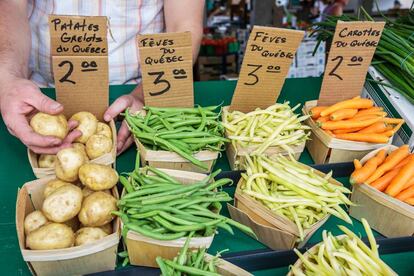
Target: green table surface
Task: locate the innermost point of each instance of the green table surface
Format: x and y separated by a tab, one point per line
15	171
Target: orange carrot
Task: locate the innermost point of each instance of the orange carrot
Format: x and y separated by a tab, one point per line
408	184
315	112
397	127
357	164
382	183
352	103
323	119
359	176
342	114
381	156
346	130
370	110
378	113
403	162
374	128
363	137
409	201
390	163
407	193
391	155
399	181
387	133
393	120
348	124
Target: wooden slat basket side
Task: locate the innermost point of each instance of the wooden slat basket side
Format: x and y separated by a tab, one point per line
95	257
375	205
325	149
143	250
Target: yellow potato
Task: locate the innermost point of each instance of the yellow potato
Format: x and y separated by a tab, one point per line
51	125
98	177
46	161
50	236
87	235
104	129
87	192
81	148
53	185
107	228
33	221
96	209
68	162
98	145
87	125
63	204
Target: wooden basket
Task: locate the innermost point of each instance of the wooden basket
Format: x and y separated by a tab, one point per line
171	160
143	250
275	231
387	215
325	149
85	259
106	159
235	153
313	250
226	268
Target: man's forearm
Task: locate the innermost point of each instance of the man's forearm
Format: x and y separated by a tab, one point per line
186	15
15	40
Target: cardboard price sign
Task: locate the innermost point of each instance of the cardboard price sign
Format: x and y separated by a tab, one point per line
352	49
80	62
166	66
78	35
266	63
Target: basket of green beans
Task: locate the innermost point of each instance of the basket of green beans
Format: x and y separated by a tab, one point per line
187	139
271	131
198	262
159	208
291	199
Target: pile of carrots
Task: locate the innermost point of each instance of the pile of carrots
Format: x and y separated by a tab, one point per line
392	173
357	120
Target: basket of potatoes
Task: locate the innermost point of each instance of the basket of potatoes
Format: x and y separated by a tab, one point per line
64	223
97	142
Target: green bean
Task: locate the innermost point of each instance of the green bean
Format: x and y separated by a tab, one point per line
153	235
126	184
173	219
190	270
162	265
186	228
162	175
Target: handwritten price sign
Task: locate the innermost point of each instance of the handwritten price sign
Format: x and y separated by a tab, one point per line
166	65
353	47
269	54
80	62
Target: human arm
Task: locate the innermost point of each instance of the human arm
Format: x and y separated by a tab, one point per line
19	97
180	16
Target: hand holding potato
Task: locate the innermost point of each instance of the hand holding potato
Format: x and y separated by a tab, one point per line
97	209
50	125
87	125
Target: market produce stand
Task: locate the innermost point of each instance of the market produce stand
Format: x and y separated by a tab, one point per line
246	252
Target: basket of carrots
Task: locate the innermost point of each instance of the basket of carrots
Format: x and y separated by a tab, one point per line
348	129
383	190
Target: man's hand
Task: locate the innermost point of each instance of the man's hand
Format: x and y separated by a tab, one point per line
20	99
133	101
